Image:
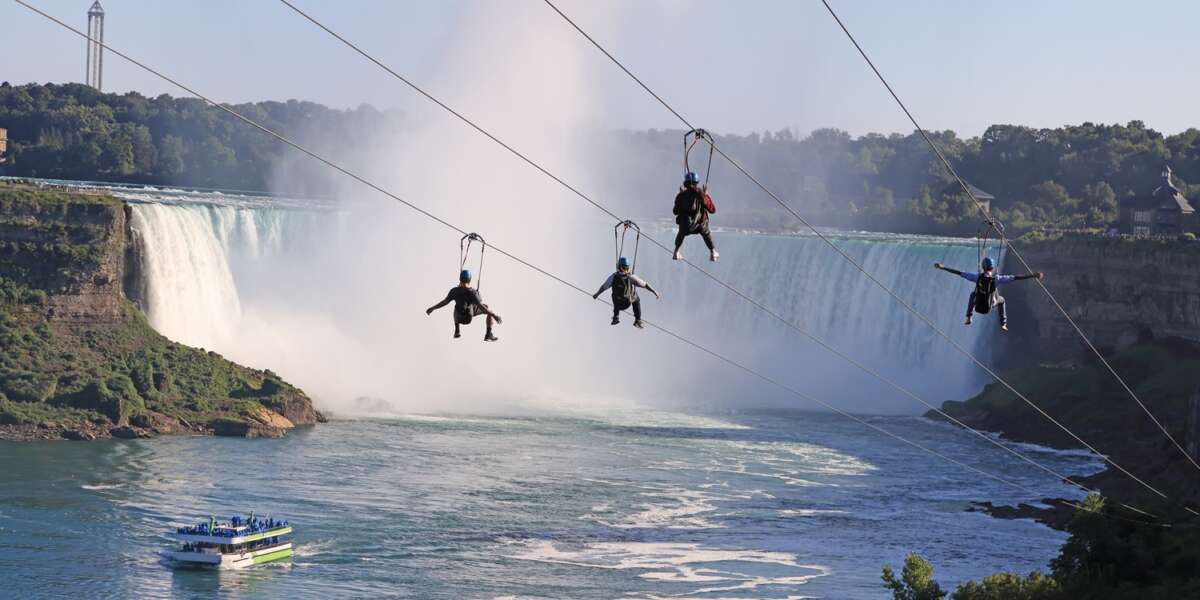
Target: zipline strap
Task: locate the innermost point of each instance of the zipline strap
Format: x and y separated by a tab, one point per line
699	134
619	242
464	249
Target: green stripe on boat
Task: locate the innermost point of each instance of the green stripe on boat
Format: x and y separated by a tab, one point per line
281	554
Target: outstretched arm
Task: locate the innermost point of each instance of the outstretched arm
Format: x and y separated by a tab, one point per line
972	277
438	305
1010	278
642	283
607	284
942	267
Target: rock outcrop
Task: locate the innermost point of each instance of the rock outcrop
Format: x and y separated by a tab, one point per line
79	361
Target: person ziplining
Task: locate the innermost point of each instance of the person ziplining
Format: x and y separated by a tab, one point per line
986	294
623	282
693	204
468	302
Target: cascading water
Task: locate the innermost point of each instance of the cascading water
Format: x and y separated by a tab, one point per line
290	290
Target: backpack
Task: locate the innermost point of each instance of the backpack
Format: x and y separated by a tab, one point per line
985	294
688	204
622	289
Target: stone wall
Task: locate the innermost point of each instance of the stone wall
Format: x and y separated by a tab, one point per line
1120	291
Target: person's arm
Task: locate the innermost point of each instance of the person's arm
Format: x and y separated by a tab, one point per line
942	267
642	283
1010	278
607	284
675	209
972	277
709	205
430	310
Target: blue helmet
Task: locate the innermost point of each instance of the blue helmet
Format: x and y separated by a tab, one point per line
691	177
623	263
987	263
465	275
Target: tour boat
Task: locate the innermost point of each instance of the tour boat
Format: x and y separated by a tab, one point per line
237	544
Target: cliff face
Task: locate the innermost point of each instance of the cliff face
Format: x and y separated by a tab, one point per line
1120	292
79	360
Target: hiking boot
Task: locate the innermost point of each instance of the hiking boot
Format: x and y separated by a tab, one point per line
457	335
678	255
488	337
714	255
1004	327
968	320
638	324
616	320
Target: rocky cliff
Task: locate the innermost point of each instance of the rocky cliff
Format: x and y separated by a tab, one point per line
1120	291
79	360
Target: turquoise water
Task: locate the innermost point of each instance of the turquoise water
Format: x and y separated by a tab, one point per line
629	504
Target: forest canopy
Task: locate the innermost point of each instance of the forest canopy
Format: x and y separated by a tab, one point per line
1066	177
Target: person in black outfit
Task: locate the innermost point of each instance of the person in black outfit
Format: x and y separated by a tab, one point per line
467	305
692	207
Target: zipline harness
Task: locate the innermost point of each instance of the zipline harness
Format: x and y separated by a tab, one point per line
619	242
696	135
464	252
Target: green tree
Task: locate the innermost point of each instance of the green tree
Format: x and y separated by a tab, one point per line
915	582
1011	586
1099	203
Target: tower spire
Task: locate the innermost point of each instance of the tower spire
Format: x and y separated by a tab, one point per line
95	48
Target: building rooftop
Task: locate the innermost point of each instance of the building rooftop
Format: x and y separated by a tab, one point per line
1165	197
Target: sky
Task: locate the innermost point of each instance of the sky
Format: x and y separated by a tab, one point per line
733	66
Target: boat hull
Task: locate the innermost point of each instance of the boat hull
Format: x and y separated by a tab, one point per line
232	560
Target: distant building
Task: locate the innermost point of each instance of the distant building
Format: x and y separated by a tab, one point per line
1162	212
984	198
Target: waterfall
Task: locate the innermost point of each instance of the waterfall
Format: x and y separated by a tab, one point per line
294	291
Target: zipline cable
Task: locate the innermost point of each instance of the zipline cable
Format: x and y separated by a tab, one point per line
546	273
859	266
966	188
699	135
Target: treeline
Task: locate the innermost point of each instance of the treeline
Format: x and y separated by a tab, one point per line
71	131
1066	177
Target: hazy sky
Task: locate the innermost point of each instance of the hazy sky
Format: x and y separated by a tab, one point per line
732	65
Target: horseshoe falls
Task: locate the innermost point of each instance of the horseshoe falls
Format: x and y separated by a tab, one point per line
334	301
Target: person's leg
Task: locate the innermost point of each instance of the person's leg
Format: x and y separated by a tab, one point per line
637	313
679	241
1003	313
487	336
616	314
970	307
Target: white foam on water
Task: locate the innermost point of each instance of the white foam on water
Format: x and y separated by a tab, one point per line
102	486
706	569
811	512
